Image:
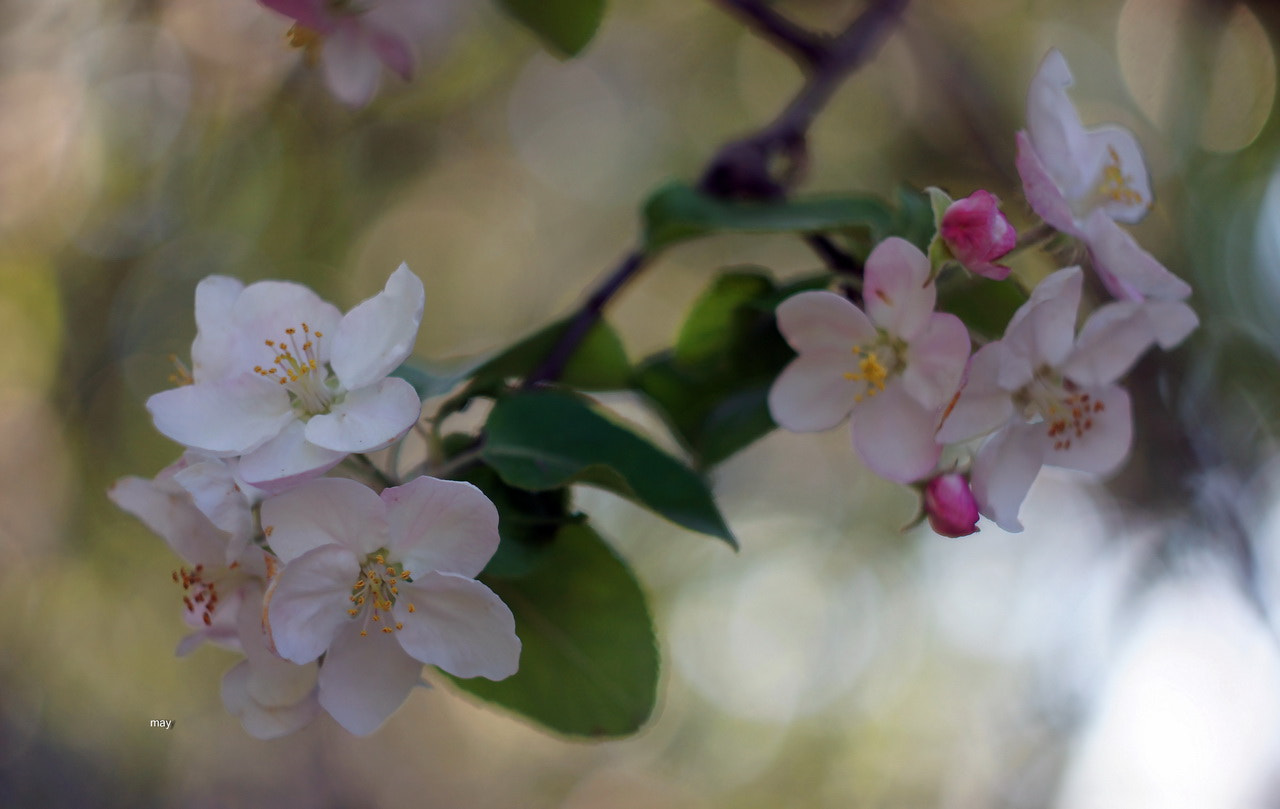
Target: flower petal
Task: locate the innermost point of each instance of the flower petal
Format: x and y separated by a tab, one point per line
982	405
273	681
229	417
1055	129
370	418
1042	192
812	393
214	491
1118	333
1125	185
307	602
173	517
267	308
818	320
379	333
459	625
442	525
1128	271
287	460
898	294
1004	470
310	13
329	511
1103	443
365	679
1043	329
936	360
351	65
894	435
214	353
259	721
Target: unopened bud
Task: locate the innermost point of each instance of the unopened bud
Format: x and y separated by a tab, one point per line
977	234
950	505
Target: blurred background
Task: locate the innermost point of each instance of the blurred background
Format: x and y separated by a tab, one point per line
1119	653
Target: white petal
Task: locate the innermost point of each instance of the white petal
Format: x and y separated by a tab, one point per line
351	65
214	491
307	602
1004	470
265	309
812	392
1111	341
230	417
983	405
365	679
287	460
1126	269
441	525
1104	441
897	291
936	360
459	625
273	681
1041	190
1043	329
367	419
1117	147
215	353
1056	132
379	334
174	518
1172	321
329	511
817	320
894	435
264	722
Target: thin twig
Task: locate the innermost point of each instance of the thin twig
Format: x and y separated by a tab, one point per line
809	50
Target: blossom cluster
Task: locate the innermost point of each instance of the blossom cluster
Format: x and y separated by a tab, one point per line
335	594
1046	393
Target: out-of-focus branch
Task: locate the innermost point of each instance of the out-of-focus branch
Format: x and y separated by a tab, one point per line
747	168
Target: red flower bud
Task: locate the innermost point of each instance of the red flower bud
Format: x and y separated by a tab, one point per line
977	234
950	505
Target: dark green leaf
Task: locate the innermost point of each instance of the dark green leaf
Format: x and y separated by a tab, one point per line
546	439
599	363
985	306
678	212
589	664
433	379
913	218
527	521
564	26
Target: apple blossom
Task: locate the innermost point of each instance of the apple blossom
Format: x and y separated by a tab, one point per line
890	369
381	584
950	505
285	381
977	234
1048	396
1083	181
353	39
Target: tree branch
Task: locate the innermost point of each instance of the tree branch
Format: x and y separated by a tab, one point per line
809	50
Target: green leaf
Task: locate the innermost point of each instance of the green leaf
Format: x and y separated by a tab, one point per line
433	379
599	363
546	439
589	664
913	219
677	212
984	305
564	26
527	521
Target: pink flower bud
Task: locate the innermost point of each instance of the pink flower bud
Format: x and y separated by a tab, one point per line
977	234
950	506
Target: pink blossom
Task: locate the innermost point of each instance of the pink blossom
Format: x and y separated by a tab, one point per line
977	234
950	505
890	369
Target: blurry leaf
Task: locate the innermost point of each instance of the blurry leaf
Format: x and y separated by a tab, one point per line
433	379
984	305
527	521
718	316
546	439
564	26
589	664
678	212
913	219
599	363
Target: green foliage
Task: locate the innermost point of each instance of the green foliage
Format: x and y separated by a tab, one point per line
589	664
985	306
527	521
713	386
545	439
678	212
564	26
913	218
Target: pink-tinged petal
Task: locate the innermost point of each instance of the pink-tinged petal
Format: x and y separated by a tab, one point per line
983	406
897	291
1004	470
1043	329
174	518
214	354
950	506
1042	192
287	460
307	602
894	435
329	511
396	52
379	333
442	525
367	419
1055	129
936	360
214	491
311	13
817	320
1128	271
1171	321
977	234
1099	440
365	679
459	625
812	393
1111	341
351	65
221	629
230	417
259	721
266	309
273	681
1124	186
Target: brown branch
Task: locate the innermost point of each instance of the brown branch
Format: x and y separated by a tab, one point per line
744	169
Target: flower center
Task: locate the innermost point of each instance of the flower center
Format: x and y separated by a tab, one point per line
1116	185
877	361
201	590
297	367
307	40
1066	411
376	592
